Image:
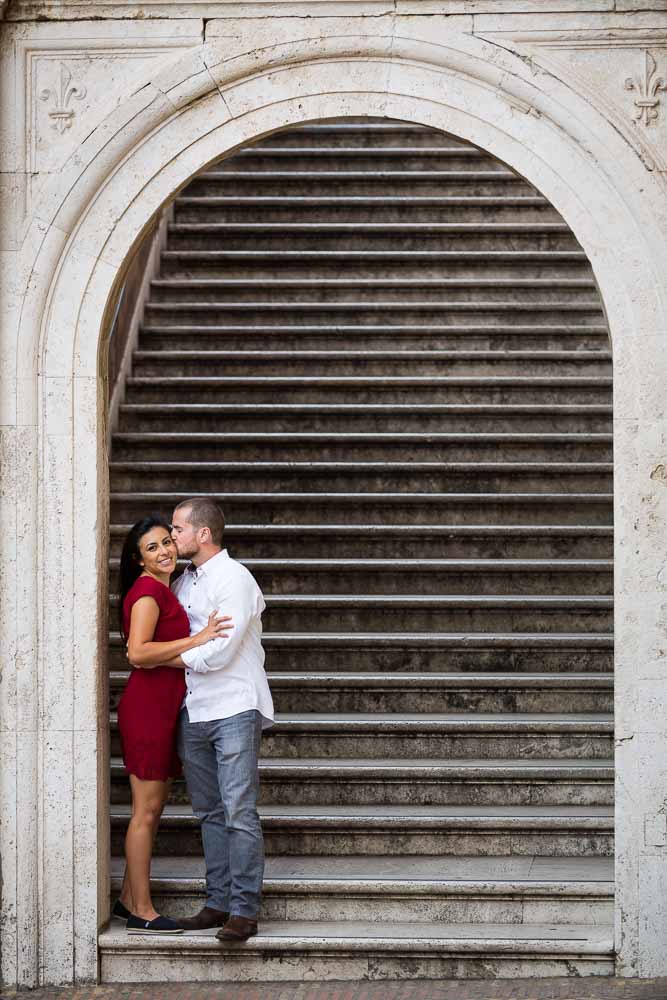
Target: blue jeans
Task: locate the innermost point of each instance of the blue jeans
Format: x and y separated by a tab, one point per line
220	763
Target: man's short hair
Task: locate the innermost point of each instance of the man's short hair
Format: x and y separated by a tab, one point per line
204	513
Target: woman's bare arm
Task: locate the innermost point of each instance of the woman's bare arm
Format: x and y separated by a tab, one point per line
143	652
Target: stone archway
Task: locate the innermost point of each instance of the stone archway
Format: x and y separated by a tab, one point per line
81	235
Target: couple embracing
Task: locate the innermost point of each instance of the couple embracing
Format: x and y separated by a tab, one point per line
198	695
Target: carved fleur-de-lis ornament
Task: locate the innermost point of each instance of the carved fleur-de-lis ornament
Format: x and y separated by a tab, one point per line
62	114
649	87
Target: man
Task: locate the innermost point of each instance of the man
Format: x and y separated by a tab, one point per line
227	704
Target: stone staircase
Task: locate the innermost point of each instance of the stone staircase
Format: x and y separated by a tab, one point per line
385	355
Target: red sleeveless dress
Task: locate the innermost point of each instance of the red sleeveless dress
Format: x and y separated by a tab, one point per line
149	707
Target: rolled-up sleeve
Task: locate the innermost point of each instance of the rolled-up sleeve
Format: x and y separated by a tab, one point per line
237	598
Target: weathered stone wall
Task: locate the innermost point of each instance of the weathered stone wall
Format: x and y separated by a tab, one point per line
107	109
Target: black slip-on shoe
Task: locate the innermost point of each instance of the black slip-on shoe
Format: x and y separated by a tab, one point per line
160	925
120	911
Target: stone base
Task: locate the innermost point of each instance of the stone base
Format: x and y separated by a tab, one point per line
360	951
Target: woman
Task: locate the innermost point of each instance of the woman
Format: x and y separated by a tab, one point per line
156	629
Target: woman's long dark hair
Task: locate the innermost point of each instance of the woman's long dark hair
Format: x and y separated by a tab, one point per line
130	558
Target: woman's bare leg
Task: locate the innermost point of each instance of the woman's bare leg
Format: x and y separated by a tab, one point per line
126	890
148	799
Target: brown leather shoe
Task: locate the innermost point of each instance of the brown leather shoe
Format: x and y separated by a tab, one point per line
205	919
237	929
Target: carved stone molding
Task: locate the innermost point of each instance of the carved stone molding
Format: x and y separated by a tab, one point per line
68	77
649	86
61	96
603	67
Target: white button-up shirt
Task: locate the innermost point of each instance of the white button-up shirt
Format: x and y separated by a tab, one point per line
225	676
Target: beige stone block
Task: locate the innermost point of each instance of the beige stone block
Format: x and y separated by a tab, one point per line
8	595
95	316
13	195
185	80
57	862
652	918
58	585
639	388
9	837
346	73
239	35
26	860
86	829
90	547
26	582
44	250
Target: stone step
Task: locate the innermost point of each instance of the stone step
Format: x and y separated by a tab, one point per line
401	613
347	950
426	652
382	507
392	283
372	289
365	132
480	236
370	159
564	831
477	181
346	418
513	390
394	264
355	152
427	576
359	311
401	338
368	477
471	541
377	336
286	781
401	210
320	446
366	692
192	362
424	735
503	890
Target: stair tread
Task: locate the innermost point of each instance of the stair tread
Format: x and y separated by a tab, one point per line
529	872
306	466
259	149
402	767
558	815
304	200
444	600
166	496
372	282
426	305
348	436
403	565
375	175
408	355
397	380
500	530
319	679
480	723
512	255
370	227
499	409
346	935
538	640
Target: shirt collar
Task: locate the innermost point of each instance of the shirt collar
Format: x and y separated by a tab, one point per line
208	565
